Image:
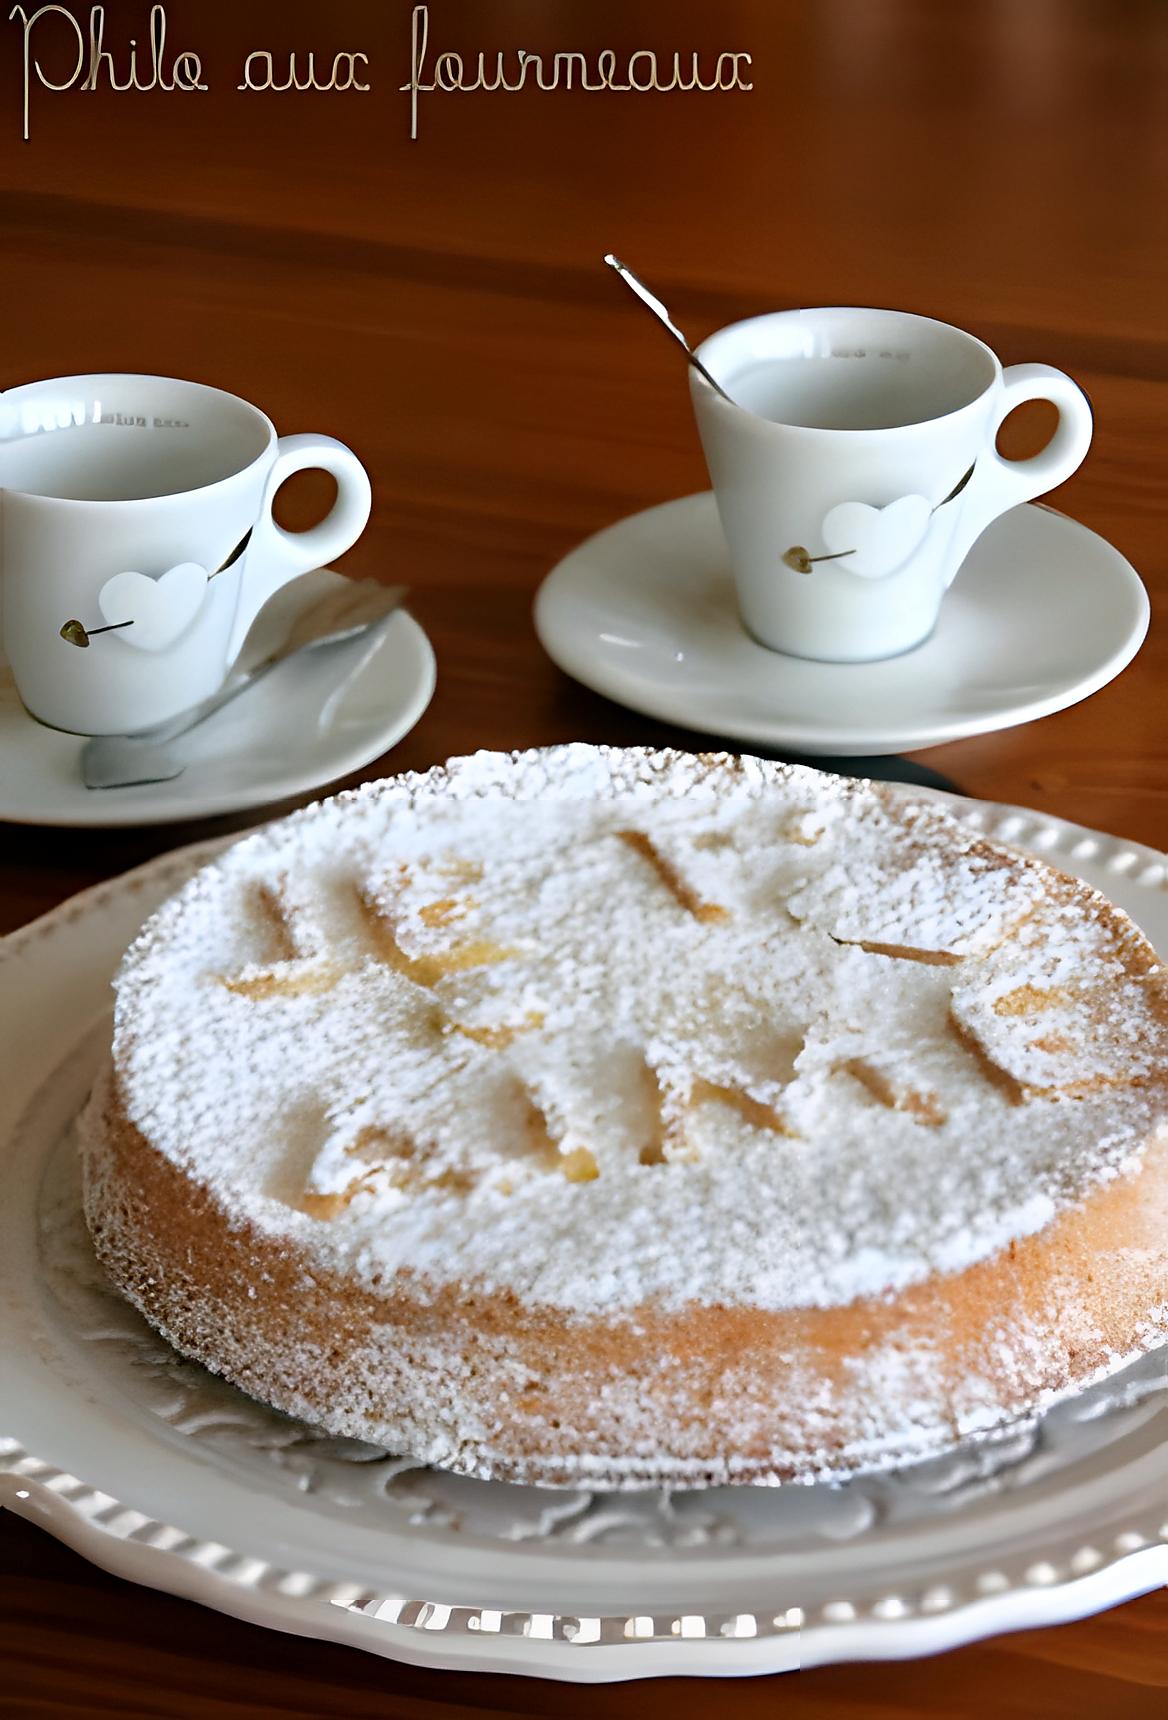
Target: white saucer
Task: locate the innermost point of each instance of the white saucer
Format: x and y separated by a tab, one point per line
290	735
1043	614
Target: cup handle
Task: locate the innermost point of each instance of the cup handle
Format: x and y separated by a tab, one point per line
997	483
275	556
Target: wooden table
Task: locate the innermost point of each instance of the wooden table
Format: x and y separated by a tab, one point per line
439	304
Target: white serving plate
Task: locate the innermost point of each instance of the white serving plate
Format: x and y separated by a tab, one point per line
156	1471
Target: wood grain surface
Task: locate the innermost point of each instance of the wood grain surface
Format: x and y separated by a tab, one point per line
439	304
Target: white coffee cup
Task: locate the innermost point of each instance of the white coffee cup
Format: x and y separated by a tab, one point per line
121	498
850	431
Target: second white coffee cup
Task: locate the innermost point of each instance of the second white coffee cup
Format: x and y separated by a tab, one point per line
121	498
855	466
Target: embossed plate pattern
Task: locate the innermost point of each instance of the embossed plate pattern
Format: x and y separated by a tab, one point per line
154	1469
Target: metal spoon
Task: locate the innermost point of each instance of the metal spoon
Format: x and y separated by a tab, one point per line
663	317
119	761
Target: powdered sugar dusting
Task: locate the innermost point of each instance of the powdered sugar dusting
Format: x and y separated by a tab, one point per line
605	1028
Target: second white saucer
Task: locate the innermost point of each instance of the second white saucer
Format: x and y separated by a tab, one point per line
1043	613
313	720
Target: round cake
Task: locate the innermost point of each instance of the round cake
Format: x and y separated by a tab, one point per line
625	1118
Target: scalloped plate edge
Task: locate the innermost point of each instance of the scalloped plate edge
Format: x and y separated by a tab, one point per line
578	1649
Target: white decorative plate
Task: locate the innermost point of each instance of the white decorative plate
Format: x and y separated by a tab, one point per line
149	1466
1042	614
310	722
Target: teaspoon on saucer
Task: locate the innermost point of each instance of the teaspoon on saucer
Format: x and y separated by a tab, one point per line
120	761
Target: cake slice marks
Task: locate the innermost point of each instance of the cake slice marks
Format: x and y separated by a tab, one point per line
459	869
425	969
297	965
902	952
1054	1044
665	1137
1008	1085
498	1038
538	1139
924	1107
683	894
753	1111
1099	1029
328	1206
297	961
580	1165
1030	1000
447	908
298	968
410	1166
293	979
276	922
391	1159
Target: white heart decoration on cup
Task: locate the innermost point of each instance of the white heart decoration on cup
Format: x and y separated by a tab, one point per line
880	539
161	609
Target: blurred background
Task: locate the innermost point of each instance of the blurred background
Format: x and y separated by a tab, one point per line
440	303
